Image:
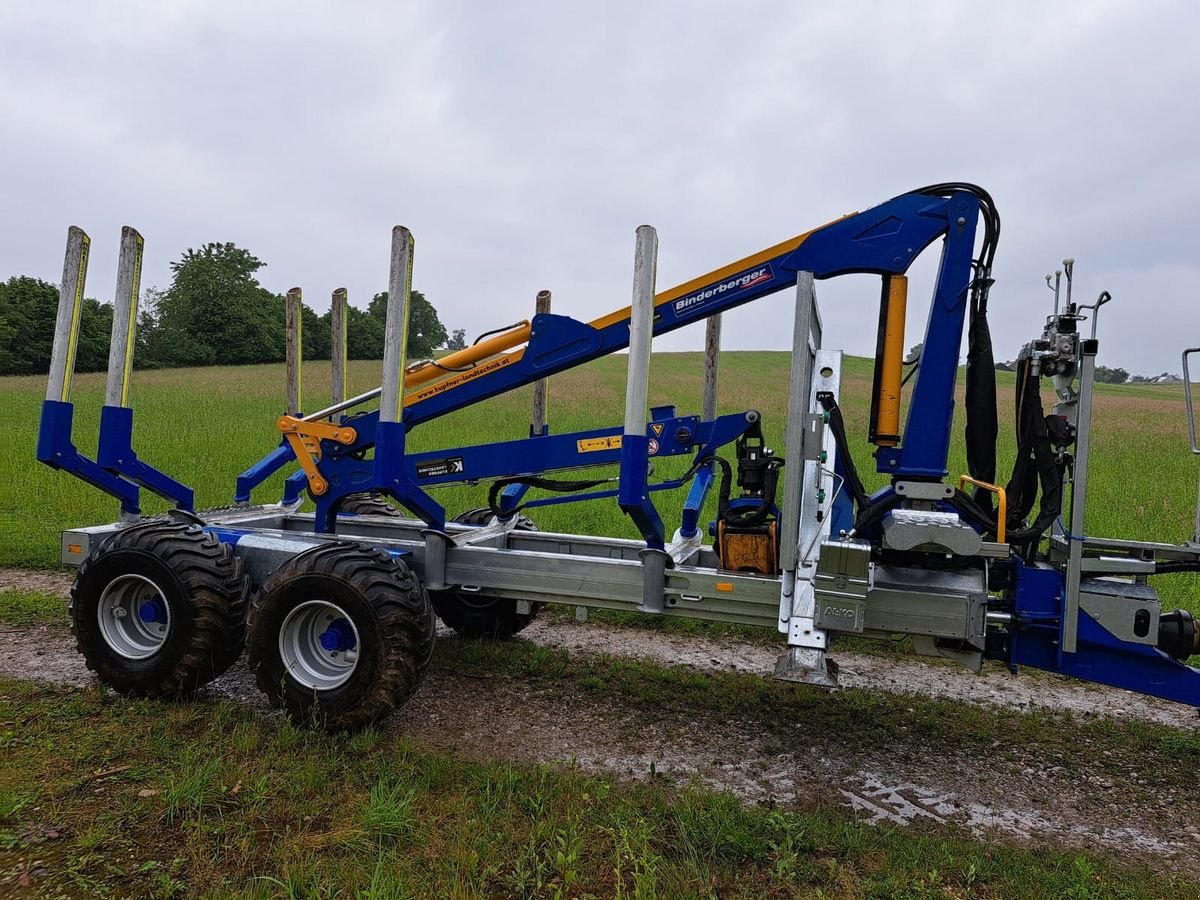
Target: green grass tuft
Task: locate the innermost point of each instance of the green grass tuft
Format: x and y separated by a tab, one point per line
23	608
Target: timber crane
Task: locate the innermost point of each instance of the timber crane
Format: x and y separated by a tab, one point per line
343	621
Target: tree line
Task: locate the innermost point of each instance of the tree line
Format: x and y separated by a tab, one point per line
214	312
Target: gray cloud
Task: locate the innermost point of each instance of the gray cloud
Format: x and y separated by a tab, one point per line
523	143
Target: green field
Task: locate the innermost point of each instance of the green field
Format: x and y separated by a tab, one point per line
142	798
203	426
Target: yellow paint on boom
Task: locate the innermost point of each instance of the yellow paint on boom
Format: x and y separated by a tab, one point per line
887	421
521	334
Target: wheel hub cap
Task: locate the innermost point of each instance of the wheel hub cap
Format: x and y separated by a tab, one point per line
134	617
319	645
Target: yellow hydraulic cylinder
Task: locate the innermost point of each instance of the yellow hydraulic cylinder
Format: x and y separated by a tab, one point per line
468	356
886	430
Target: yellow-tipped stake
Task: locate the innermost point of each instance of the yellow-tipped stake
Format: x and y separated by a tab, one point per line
885	427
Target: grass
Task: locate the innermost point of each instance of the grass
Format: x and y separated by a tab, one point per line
218	800
22	608
206	425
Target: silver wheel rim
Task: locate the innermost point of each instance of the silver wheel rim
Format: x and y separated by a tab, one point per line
134	617
319	644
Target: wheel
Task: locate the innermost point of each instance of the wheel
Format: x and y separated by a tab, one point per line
341	635
367	504
158	610
476	615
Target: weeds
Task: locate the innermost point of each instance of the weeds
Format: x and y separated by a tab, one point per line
387	816
402	822
194	790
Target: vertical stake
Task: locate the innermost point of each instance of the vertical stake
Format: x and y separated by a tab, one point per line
799	405
641	329
294	353
712	359
395	339
66	326
338	345
124	326
542	306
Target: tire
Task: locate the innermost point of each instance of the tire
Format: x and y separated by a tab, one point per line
196	593
367	504
474	615
371	605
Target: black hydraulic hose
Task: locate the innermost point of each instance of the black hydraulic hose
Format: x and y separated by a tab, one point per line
497	331
982	426
545	484
725	486
871	514
568	487
758	514
837	425
1176	566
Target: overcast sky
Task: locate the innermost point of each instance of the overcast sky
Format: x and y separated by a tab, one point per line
522	143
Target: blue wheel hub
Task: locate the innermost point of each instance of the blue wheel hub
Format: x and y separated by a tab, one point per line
338	637
153	610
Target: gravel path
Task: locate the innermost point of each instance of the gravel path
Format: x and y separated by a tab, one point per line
1014	795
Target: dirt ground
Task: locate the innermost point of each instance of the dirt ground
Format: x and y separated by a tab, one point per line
1011	794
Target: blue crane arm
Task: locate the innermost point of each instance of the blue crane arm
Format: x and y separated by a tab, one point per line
883	240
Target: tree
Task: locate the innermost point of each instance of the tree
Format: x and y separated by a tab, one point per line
364	334
215	311
425	331
1105	375
315	333
28	311
458	339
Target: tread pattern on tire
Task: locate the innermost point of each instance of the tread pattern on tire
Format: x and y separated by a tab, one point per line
368	504
217	591
471	615
405	630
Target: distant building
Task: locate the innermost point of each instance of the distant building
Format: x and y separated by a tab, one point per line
1164	378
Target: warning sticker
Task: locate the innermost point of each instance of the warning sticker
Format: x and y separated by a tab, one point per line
591	445
657	428
652	446
437	468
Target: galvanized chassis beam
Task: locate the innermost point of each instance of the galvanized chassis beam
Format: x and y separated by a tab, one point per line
575	570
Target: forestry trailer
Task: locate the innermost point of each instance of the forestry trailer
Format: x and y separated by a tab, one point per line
336	607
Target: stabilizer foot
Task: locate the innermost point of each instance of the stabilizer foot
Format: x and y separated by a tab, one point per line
807	665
